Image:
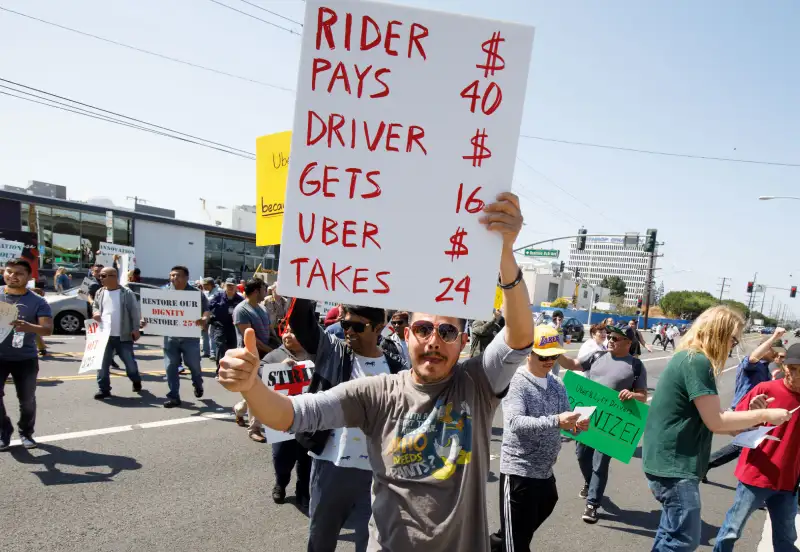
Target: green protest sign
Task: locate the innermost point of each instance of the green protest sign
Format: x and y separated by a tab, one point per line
615	426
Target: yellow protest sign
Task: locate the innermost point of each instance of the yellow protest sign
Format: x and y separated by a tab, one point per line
498	298
272	169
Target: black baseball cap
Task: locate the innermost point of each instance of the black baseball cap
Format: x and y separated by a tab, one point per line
793	354
622	330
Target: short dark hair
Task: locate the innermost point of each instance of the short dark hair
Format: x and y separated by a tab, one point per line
180	268
137	271
374	315
20	262
97	265
253	285
557	313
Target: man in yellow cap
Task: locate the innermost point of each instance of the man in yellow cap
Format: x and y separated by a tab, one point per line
535	410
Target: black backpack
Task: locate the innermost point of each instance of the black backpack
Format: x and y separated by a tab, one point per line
637	366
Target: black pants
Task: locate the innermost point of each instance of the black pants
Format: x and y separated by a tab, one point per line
24	373
524	505
285	456
657	338
728	453
223	340
668	341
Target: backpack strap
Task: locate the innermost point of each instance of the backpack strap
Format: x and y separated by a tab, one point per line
637	372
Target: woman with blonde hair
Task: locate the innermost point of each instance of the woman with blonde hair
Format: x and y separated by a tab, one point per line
61	280
683	416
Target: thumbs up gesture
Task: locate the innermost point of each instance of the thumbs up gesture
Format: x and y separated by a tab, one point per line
238	371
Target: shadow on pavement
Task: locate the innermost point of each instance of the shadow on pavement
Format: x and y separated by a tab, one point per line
76	458
492	477
720	485
60	358
49	383
645	523
146	399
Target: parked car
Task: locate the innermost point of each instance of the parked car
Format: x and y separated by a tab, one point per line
70	310
574	328
767	331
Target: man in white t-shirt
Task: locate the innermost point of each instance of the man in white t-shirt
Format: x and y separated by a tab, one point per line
116	310
341	476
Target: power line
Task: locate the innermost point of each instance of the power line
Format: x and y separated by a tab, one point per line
148	52
665	153
121	115
272	12
257	18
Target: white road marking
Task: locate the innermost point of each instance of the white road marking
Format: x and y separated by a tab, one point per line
122	429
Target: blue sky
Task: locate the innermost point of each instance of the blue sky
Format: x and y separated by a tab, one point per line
710	78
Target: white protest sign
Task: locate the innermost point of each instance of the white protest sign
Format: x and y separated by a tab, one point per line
115	249
96	341
753	438
288	380
10	250
8	313
124	262
406	123
83	290
105	259
170	312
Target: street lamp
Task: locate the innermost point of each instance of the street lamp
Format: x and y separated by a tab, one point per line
767	198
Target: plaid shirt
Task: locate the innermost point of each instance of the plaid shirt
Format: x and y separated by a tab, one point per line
276	309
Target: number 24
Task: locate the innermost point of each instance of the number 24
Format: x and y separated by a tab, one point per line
462	287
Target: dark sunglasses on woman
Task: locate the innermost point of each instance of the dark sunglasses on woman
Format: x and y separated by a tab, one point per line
424	330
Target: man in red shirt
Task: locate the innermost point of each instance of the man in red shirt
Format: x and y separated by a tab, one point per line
769	473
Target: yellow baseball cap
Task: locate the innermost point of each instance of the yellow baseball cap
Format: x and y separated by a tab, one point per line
545	341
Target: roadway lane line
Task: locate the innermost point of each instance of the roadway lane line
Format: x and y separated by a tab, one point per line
125	428
93	376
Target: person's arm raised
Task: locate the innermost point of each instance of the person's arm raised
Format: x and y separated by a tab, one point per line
505	217
759	352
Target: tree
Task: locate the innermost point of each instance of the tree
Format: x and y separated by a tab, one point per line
560	303
687	304
736	305
616	285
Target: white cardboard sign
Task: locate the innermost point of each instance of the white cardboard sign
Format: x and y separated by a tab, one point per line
10	250
8	313
403	128
171	313
96	341
115	249
288	380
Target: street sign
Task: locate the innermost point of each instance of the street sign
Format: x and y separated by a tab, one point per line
542	253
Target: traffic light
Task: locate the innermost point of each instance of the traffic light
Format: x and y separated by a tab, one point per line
639	303
793	292
577	272
581	239
749	287
596	297
650	240
561	270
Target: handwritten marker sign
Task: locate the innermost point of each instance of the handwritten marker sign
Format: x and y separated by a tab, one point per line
406	125
171	313
116	249
10	250
289	380
96	341
615	427
272	168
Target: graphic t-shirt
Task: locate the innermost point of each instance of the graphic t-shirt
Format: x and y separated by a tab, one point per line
30	307
347	446
428	447
257	317
676	442
774	464
112	312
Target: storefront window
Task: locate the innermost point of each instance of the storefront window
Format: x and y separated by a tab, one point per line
122	231
213	261
93	231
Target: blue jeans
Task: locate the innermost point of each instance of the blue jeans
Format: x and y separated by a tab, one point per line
338	495
594	467
124	350
782	507
209	346
187	348
679	526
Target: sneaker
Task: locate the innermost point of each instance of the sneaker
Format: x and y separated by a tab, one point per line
28	442
43	353
102	395
172	403
584	492
181	370
590	514
258	438
198	392
278	494
704	480
5	443
137	387
240	420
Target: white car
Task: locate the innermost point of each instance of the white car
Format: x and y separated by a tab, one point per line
69	310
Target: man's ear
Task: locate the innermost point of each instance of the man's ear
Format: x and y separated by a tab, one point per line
379	328
463	339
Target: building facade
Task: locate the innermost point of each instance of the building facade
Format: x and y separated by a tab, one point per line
545	286
68	234
606	257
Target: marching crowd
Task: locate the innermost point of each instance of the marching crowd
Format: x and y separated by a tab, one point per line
392	432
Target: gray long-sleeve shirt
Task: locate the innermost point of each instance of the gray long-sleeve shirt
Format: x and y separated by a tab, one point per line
428	446
531	437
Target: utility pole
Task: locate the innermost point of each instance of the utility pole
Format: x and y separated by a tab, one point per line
722	287
648	283
771	302
750	303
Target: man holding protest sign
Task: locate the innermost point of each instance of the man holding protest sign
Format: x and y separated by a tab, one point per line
30	316
428	428
617	370
117	310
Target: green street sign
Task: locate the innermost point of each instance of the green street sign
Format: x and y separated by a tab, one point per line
542	253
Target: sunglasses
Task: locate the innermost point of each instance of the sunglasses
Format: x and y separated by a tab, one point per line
424	330
104	276
357	327
546	358
399	322
615	338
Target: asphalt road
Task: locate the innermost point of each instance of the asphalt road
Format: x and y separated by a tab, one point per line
128	474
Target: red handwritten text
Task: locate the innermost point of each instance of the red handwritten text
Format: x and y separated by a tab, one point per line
386	135
342	275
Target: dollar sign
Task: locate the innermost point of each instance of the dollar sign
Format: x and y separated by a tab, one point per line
494	61
479	150
458	248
